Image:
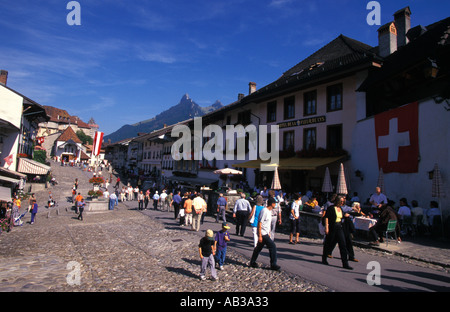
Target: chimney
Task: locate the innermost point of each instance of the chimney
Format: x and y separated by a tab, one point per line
402	22
240	96
387	39
252	88
3	77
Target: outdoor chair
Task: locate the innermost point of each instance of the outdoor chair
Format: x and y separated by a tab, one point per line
407	226
391	229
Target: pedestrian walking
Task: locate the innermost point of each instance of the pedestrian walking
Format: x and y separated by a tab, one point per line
141	200
264	239
15	213
169	201
146	199
294	217
162	199
130	193
187	206
207	251
136	193
221	242
78	198
276	214
177	203
81	209
112	201
334	232
241	211
198	208
253	218
155	200
221	208
34	211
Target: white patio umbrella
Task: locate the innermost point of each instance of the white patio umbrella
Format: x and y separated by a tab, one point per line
327	186
437	190
228	171
276	185
341	187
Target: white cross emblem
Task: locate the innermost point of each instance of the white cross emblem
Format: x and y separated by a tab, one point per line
394	140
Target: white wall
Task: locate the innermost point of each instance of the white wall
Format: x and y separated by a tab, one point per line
434	148
11	106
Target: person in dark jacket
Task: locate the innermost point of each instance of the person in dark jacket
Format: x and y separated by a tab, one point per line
387	214
334	232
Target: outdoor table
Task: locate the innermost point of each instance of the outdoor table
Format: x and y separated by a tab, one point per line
363	224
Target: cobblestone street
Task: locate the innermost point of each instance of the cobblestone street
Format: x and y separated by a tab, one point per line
124	251
127	250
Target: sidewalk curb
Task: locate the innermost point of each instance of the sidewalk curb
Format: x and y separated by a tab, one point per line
401	254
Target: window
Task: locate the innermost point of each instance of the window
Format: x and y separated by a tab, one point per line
289	107
244	118
310	103
309	139
288	140
334	137
272	111
334	98
228	120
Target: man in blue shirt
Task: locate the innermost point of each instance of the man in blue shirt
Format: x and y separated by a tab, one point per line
221	208
176	200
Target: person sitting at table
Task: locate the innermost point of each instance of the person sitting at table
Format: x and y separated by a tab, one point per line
377	200
419	220
387	214
433	213
311	204
356	209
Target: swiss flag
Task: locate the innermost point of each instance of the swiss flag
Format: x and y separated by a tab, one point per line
9	160
397	139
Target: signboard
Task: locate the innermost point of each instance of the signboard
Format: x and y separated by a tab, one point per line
303	122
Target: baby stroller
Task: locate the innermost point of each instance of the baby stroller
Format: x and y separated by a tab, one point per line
18	221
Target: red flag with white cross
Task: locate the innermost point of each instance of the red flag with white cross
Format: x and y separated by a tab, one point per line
397	139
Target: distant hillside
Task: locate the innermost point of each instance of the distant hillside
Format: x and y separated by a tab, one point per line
184	110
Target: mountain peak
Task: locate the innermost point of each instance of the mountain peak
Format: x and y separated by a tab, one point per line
184	110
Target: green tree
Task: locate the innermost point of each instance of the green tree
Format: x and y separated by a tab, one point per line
84	137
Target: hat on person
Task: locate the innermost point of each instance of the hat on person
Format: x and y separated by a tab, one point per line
210	234
225	226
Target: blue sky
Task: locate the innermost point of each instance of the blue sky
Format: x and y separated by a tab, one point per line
131	59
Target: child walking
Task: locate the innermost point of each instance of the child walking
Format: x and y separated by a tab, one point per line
207	251
220	245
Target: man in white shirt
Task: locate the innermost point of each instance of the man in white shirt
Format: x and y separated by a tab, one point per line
377	200
155	200
264	227
162	199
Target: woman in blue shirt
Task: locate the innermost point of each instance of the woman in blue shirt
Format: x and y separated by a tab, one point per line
253	217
